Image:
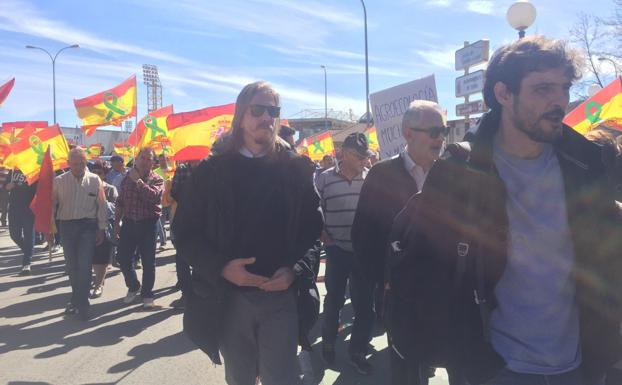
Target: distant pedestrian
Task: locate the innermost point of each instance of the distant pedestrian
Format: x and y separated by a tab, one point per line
21	219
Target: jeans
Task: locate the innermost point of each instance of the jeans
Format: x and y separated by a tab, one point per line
22	231
78	238
341	264
139	235
4	205
161	230
260	337
508	377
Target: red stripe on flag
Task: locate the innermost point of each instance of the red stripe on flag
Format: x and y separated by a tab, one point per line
41	204
186	118
5	89
98	98
192	153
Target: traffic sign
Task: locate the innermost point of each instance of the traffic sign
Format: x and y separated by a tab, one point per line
470	84
472	54
470	108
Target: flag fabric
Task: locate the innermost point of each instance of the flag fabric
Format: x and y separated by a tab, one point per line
27	153
320	145
93	151
12	131
372	138
193	133
604	108
41	205
107	108
5	90
124	150
151	128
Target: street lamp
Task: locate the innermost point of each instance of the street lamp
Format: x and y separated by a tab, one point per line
521	16
53	58
613	63
325	100
367	116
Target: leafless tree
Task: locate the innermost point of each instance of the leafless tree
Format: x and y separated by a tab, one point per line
589	34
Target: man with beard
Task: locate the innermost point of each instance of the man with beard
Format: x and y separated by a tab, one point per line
246	216
516	236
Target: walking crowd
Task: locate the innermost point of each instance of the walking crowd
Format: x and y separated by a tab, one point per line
496	258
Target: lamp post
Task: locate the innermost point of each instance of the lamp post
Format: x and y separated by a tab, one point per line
613	63
325	99
521	16
367	116
53	58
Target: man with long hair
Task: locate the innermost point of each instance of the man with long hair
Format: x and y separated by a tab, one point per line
246	216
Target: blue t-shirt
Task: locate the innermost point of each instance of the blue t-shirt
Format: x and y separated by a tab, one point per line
535	327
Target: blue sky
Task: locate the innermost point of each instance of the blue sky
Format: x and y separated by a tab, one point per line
207	50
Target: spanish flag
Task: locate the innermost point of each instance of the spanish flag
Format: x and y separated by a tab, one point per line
372	138
27	153
124	150
5	89
93	151
604	108
319	145
108	108
193	133
151	128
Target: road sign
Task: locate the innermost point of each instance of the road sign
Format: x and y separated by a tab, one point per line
471	108
470	84
472	54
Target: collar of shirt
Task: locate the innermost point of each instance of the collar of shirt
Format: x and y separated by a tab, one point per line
414	170
247	153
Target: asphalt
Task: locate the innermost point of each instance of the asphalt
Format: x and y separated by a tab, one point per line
122	344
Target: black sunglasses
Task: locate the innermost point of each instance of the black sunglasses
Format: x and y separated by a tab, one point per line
257	110
434	132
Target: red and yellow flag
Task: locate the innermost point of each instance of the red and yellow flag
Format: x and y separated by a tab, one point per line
93	151
193	133
13	131
5	89
372	139
124	150
27	153
605	108
319	145
108	108
152	128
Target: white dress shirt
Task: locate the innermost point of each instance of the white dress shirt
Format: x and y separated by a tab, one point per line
414	170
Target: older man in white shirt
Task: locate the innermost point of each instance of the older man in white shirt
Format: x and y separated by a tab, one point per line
81	211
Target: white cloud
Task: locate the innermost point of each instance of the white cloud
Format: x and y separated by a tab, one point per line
438	58
484	7
19	17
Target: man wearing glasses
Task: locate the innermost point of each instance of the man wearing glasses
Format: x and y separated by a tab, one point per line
339	189
245	217
386	190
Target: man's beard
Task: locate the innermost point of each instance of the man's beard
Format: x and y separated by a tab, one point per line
535	131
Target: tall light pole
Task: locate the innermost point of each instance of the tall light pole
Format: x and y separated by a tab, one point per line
367	116
53	58
521	16
325	99
613	63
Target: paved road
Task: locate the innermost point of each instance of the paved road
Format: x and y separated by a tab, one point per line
121	344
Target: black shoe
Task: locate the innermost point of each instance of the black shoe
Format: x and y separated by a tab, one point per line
71	310
179	303
328	353
360	363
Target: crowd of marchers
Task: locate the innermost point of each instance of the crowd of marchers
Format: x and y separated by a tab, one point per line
497	258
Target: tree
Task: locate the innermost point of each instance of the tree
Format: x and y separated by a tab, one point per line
590	35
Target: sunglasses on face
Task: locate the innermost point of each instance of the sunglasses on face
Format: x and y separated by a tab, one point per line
257	110
434	132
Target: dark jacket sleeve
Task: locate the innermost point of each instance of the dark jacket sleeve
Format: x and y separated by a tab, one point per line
310	221
368	234
194	242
